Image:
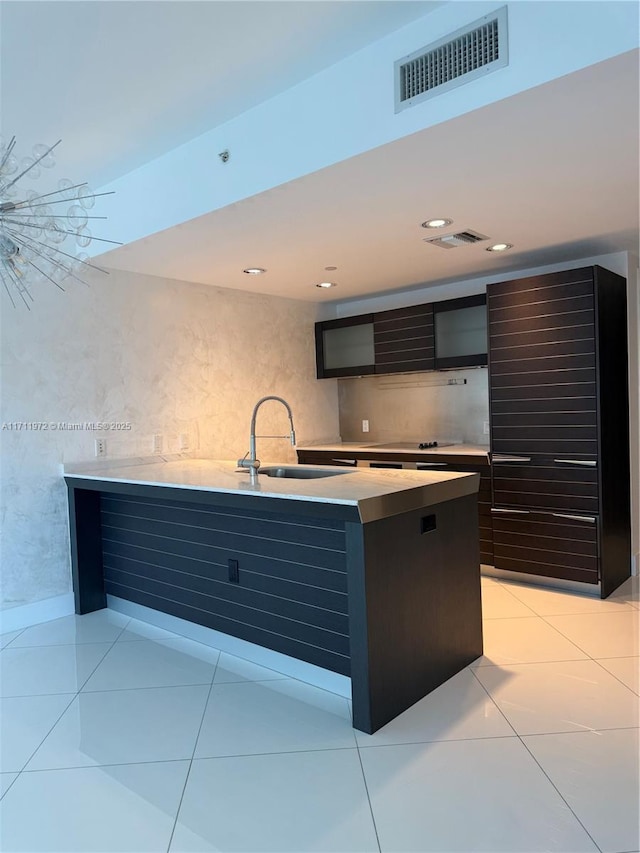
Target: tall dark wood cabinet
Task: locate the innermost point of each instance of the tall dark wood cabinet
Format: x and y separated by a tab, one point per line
558	389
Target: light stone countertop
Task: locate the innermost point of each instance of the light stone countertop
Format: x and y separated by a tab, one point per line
376	493
393	448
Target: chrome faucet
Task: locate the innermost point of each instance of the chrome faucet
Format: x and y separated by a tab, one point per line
251	463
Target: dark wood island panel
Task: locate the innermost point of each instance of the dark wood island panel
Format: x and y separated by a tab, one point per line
392	603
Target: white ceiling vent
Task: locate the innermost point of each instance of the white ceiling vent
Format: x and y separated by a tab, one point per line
451	241
454	60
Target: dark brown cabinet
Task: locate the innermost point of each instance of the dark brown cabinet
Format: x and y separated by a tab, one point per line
403	339
345	347
485	520
559	426
421	462
432	336
547	544
460	332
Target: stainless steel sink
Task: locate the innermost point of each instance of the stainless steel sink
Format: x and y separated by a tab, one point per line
297	472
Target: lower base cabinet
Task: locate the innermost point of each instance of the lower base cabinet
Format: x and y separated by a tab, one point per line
554	545
422	462
485	519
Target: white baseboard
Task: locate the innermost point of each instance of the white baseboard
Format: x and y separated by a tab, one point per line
25	615
294	668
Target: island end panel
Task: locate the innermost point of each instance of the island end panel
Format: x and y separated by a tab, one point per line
415	606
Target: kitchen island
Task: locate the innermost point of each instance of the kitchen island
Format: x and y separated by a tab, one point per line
370	574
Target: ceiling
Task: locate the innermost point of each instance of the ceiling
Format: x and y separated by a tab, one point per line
542	170
553	170
124	81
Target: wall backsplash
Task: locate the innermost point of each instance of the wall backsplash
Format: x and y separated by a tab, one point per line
416	406
168	357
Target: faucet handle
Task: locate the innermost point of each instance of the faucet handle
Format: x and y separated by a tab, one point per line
245	464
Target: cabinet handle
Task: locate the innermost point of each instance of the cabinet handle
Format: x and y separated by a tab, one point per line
497	458
587	518
421	465
516	511
591	464
345	461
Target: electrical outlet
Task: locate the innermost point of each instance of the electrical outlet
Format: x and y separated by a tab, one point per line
234	571
365	426
183	441
157	443
485	427
101	447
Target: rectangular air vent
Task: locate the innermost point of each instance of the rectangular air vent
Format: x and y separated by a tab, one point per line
460	57
451	241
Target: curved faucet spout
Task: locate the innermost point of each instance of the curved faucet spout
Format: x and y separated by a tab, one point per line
252	463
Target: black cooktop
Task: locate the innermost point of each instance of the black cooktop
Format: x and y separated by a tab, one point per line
412	445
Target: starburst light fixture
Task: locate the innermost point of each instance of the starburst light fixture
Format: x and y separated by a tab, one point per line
42	236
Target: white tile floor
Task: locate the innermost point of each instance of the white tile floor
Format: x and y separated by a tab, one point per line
118	736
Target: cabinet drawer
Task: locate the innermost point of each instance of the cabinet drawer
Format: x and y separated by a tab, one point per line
562	485
537	494
540	449
325	458
546	544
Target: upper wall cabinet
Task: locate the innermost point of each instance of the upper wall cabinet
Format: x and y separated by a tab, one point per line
403	339
461	332
432	336
345	347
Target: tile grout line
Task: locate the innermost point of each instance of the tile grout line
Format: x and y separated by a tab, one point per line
74	696
366	788
10	785
584	651
195	746
20	631
540	766
427	742
529	662
500	711
519	601
598	661
182	760
56	645
583	731
60	716
597	846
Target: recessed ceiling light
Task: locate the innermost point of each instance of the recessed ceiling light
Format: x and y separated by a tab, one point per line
326	284
500	247
437	223
254	270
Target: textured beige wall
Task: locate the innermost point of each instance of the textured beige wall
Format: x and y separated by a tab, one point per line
416	407
168	357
